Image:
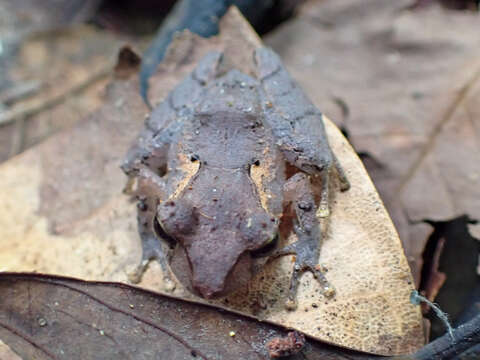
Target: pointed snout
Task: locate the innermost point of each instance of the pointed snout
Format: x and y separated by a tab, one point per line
208	292
217	271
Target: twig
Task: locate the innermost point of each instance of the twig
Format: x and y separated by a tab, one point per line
18	138
26	111
466	336
19	92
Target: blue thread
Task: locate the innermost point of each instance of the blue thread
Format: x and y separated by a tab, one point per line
416	299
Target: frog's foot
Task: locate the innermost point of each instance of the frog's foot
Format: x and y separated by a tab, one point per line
152	250
306	249
306	259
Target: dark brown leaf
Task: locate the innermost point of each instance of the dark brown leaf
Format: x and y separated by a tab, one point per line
46	317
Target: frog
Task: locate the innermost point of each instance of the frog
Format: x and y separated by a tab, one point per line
218	165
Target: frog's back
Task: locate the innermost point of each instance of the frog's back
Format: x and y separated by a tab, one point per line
226	127
226	130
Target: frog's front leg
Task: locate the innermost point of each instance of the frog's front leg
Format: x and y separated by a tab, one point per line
143	164
300	134
298	191
150	189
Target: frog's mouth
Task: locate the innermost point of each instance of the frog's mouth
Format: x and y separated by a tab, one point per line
211	276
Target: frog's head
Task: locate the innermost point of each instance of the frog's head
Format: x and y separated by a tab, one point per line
217	222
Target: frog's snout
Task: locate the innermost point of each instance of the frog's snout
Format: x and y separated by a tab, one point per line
212	267
211	284
208	293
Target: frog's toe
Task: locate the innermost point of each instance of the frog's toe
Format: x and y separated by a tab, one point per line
326	288
169	284
135	276
318	271
291	304
305	262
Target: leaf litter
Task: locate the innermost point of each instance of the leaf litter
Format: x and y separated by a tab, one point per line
91	233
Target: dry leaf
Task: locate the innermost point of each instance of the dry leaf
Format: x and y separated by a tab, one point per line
64	213
69	70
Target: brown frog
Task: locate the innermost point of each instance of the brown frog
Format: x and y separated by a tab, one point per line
211	168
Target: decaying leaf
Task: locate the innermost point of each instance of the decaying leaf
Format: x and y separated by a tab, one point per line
61	318
64	213
411	86
286	346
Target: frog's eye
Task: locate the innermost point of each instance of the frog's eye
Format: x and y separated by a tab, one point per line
267	247
254	163
194	158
